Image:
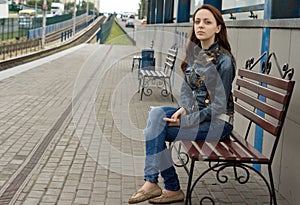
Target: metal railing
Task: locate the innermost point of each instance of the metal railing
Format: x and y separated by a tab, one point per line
13	49
37	33
16	28
105	29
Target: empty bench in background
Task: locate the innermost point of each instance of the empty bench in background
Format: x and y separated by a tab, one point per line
161	78
254	91
145	62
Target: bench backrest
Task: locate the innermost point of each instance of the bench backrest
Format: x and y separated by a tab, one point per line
264	100
170	61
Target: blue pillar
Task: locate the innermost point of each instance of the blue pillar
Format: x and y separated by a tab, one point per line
285	9
148	11
159	11
215	3
183	12
151	11
265	45
168	11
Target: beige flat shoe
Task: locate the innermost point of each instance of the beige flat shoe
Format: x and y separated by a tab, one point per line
164	199
142	195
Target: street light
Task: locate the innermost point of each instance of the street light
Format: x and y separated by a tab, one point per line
44	7
74	18
87	10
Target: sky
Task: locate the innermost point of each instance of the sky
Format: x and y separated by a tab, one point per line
119	6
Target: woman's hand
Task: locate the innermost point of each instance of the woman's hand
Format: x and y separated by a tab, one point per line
174	120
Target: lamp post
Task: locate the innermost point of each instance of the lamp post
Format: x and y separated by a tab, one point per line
94	8
74	18
87	10
44	23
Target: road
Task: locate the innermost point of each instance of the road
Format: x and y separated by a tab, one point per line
129	30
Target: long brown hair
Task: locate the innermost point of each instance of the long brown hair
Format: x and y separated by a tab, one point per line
221	37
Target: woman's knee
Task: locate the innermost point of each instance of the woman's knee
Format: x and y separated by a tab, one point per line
161	112
157	113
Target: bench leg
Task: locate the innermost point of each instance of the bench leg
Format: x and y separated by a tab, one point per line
171	92
164	91
143	87
133	61
139	87
240	179
188	197
142	94
272	186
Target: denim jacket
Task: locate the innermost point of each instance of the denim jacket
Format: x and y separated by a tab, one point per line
206	89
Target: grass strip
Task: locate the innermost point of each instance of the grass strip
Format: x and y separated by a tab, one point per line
117	36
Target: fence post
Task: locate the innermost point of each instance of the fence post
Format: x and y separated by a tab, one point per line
2	26
4	49
16	48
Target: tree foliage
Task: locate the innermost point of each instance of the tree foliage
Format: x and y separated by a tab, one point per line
39	3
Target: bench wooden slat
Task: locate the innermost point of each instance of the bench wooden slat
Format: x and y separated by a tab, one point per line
170	59
143	72
191	149
206	149
158	74
264	91
169	65
148	73
235	149
172	52
162	74
194	150
260	121
271	80
224	152
153	73
263	106
247	146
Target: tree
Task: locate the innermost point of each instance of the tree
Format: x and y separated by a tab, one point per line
142	9
38	4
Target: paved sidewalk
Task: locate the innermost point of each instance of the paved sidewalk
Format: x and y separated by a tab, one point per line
71	133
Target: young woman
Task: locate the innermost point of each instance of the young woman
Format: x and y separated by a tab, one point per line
205	109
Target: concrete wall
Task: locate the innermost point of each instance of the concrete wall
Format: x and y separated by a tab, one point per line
245	38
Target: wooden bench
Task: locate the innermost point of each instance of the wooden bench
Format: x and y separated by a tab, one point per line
161	78
254	91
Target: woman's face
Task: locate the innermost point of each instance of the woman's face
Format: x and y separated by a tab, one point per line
205	26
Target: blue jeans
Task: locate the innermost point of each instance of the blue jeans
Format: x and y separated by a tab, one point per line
157	133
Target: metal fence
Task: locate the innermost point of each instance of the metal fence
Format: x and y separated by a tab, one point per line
105	29
17	28
12	49
37	32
